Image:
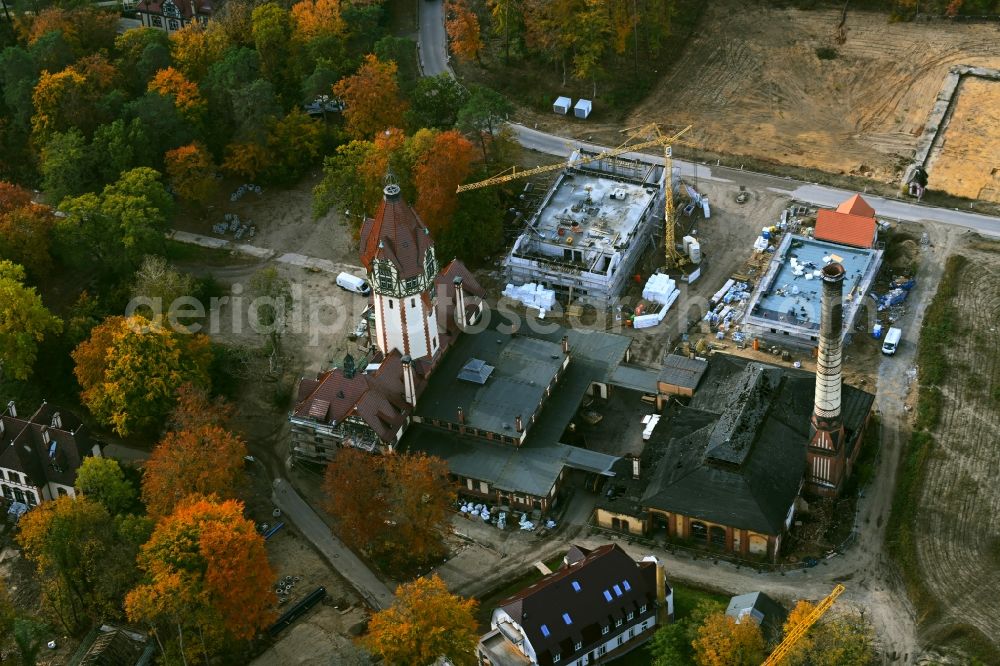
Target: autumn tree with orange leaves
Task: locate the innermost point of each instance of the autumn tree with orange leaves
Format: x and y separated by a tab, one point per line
172	84
439	171
463	30
317	18
200	458
393	507
69	99
207	579
192	173
25	229
246	159
372	100
424	623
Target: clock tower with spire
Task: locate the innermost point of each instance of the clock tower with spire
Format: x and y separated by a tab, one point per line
398	253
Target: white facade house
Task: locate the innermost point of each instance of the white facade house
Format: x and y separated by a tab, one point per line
599	605
40	454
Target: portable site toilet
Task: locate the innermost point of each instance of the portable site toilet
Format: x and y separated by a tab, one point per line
583	108
562	105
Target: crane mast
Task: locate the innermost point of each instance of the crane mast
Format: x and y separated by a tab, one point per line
802	627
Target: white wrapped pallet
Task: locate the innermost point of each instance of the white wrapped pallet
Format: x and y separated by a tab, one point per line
722	292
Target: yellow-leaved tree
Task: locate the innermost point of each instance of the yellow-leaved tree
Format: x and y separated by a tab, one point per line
846	639
130	369
425	622
723	642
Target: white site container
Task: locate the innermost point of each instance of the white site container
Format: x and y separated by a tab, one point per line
562	105
694	251
583	108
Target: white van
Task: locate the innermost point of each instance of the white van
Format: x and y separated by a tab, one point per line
891	342
353	283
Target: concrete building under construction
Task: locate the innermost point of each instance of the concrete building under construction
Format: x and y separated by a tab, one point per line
594	223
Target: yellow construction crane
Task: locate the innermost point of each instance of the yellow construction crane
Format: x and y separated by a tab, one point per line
802	627
673	257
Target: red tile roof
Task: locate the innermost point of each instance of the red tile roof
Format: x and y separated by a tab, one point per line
856	206
396	234
853	230
375	398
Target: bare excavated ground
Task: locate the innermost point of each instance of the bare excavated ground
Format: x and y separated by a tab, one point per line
958	545
968	163
751	84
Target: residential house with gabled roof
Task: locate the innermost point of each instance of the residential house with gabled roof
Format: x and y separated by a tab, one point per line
598	606
40	454
769	615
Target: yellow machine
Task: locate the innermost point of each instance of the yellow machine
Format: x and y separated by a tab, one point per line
673	258
795	634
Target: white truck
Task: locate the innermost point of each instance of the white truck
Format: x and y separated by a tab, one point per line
891	342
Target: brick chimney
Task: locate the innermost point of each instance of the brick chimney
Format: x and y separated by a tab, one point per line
461	416
409	383
565	344
518	423
826	451
460	302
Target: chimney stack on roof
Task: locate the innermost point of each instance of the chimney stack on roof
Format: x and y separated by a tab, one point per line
518	423
565	344
459	302
461	416
409	383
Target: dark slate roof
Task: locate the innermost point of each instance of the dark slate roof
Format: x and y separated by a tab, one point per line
111	645
522	368
593	357
682	371
23	447
750	480
607	569
531	470
397	235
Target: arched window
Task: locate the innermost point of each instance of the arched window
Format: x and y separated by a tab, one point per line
390	303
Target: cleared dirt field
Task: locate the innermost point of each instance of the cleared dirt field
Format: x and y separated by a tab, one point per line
958	545
752	84
968	163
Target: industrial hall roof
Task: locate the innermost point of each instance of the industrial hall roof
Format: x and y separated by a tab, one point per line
593	589
395	234
853	223
535	466
682	371
736	454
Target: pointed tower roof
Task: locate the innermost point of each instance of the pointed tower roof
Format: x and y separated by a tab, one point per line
856	206
395	234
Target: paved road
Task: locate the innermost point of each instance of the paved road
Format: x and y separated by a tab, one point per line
432	44
263	253
347	564
818	195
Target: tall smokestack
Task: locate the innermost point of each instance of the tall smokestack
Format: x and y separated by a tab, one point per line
825	457
826	409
